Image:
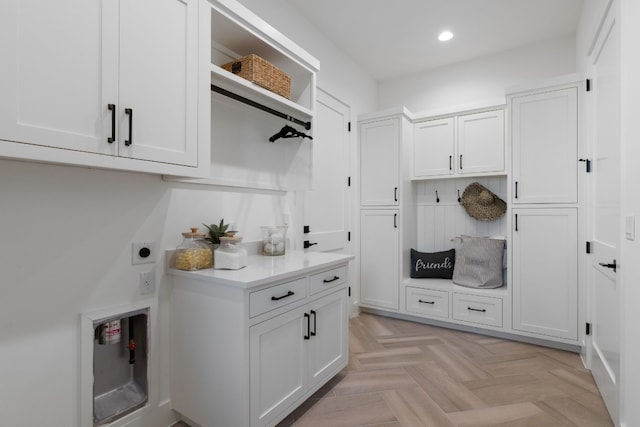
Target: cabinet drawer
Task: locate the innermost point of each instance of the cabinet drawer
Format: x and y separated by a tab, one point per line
327	279
277	296
427	301
477	309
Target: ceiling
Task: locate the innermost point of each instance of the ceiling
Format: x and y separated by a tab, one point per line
392	38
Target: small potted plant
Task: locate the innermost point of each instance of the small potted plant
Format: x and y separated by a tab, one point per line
216	231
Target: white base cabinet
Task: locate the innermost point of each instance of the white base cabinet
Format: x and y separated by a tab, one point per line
545	272
251	345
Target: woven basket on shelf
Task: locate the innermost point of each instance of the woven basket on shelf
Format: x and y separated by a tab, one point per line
262	73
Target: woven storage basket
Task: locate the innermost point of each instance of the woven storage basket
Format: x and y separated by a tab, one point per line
262	73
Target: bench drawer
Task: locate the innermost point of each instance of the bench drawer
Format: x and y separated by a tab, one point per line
427	301
477	309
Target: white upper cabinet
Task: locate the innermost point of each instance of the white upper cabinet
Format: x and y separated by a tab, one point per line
466	144
433	147
481	142
102	78
379	162
544	133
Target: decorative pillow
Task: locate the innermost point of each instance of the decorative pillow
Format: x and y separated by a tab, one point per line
479	263
429	265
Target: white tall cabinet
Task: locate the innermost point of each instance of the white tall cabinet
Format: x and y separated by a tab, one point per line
545	214
386	207
83	84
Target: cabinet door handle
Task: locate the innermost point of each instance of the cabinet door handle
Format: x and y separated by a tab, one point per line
481	310
395	194
313	334
516	189
331	280
129	112
395	220
516	222
426	302
460	161
450	162
112	108
612	266
288	294
307	336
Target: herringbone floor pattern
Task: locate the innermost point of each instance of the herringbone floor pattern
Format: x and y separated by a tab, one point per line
405	374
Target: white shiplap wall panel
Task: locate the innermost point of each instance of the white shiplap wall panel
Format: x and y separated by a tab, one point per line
438	223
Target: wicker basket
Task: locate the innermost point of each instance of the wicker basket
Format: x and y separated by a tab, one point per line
262	73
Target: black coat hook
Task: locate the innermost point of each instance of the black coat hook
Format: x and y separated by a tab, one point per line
437	197
459	199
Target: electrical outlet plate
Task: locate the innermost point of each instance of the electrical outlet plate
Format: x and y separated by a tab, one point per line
147	282
143	253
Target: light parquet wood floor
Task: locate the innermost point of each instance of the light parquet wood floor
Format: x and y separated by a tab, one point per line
406	374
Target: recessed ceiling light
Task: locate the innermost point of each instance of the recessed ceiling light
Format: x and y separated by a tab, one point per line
445	36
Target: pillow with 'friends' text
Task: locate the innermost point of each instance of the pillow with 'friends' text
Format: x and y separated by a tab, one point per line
432	265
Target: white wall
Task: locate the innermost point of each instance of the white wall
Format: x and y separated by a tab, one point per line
479	80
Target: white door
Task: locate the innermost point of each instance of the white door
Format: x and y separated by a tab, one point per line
605	213
278	364
379	258
481	142
545	262
379	162
545	147
327	202
433	148
53	67
158	80
329	344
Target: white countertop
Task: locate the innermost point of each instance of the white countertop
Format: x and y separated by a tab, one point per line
262	269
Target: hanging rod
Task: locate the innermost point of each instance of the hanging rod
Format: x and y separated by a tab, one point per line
218	89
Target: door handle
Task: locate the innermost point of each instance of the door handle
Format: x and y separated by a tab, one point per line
395	220
450	165
313	334
395	194
129	112
516	189
308	335
611	266
112	108
308	244
460	161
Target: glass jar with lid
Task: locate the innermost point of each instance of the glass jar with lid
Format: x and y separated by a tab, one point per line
193	253
231	255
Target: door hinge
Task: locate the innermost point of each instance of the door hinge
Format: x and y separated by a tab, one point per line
588	328
348	181
588	85
588	247
349	127
349	290
348	236
588	164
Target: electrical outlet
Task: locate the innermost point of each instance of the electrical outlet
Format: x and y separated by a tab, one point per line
143	253
147	282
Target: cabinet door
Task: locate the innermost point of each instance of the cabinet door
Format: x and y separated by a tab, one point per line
545	268
379	258
158	80
545	147
329	344
379	163
433	148
481	142
278	364
53	71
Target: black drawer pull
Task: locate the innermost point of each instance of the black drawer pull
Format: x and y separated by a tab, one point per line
426	302
331	280
288	294
481	310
